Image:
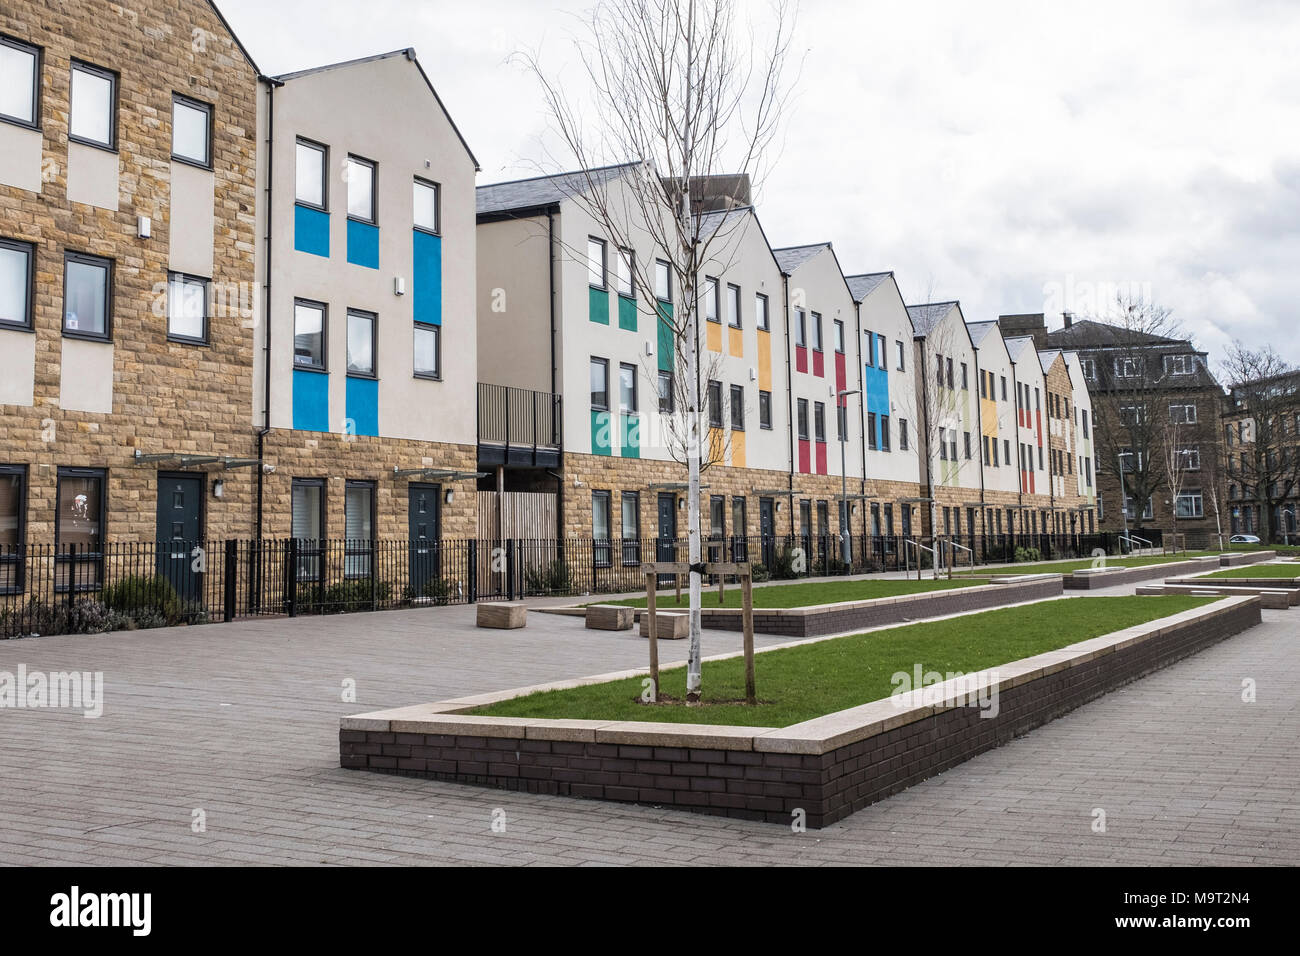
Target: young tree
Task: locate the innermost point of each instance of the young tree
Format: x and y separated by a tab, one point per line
1264	395
680	88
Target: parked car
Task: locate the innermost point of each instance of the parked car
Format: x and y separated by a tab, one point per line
1244	539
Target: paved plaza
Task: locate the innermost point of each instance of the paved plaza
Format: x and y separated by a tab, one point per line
240	721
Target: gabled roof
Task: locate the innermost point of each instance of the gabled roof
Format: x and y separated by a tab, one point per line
539	192
925	317
979	331
712	221
1017	344
863	285
1088	333
409	54
1046	357
792	257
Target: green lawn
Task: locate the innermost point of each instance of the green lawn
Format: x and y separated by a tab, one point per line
806	594
1065	567
799	683
1257	571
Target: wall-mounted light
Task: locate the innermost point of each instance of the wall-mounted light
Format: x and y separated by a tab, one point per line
143	227
681	503
399	285
219	488
778	506
448	495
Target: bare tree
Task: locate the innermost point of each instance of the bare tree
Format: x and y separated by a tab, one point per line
677	87
935	414
1264	398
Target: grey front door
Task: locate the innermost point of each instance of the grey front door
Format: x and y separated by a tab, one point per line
767	531
666	540
424	536
180	532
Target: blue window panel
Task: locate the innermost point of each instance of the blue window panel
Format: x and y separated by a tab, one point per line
876	381
311	231
363	405
311	401
426	278
363	244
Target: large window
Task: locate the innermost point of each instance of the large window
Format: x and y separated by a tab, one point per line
191	131
79	529
17	261
362	174
765	410
307	524
187	308
428	351
309	187
362	331
309	334
358	527
93	118
1190	504
600	384
600	528
595	262
737	408
13	501
733	306
762	321
87	296
627	398
20	82
1182	414
425	205
631	531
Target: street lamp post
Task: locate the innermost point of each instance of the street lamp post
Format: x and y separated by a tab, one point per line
842	414
1286	526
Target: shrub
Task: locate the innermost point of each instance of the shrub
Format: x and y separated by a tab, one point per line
439	590
351	595
1028	555
136	593
551	578
759	572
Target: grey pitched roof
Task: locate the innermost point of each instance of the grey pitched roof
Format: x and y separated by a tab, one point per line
863	285
1088	333
1046	357
541	191
926	317
711	221
792	257
1017	344
979	331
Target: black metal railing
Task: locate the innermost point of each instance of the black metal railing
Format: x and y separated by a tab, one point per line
519	417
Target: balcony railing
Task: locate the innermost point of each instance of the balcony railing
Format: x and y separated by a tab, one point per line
518	418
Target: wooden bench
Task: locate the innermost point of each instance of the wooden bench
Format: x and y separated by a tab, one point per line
610	617
502	614
669	625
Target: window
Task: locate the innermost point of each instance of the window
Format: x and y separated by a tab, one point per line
717	525
428	351
985	445
1190	504
837	327
361	190
87	292
424	205
817	331
739	528
79	525
600	384
187	308
842	422
882	353
663	281
800	329
803	419
307	521
362	331
1130	415
869	359
17	273
600	527
984	384
733	306
1179	364
20	82
871	431
1182	414
902	357
1190	458
666	392
631	528
624	279
737	408
938	367
1004	388
963	374
765	410
1127	367
761	320
884	433
13	500
1089	369
966	435
715	404
309	334
1006	451
1083	420
627	401
596	263
358	527
309	184
93	117
819	421
902	434
191	131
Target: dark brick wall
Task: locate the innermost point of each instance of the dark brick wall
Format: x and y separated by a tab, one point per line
1090	582
769	786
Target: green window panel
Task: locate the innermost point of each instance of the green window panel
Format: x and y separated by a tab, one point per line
599	305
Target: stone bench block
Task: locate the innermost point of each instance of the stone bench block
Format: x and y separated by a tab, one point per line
502	614
669	625
610	617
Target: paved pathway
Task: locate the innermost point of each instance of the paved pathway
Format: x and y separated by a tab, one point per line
240	721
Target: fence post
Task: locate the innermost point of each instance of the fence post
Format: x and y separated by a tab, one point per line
510	569
472	570
291	577
229	580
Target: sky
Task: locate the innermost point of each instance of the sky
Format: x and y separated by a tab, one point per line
1016	156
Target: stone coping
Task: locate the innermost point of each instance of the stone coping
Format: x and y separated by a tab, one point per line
1235	559
811	737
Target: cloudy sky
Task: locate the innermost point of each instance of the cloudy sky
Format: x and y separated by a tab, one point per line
1018	156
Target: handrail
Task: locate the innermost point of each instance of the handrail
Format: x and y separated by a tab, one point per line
1128	536
920	547
954	545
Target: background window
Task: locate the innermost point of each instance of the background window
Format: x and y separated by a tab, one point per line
428	350
764	409
803	419
361	343
666	392
902	360
627	388
361	189
817	331
15	283
426	205
715	404
94	96
80	522
596	263
187	308
819	421
309	334
761	320
19	81
838	327
737	408
600	527
600	383
625	273
310	184
711	300
631	532
85	295
191	131
800	329
663	281
307	523
733	306
358	527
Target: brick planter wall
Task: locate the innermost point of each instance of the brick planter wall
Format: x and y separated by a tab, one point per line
1247	557
1090	582
828	767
